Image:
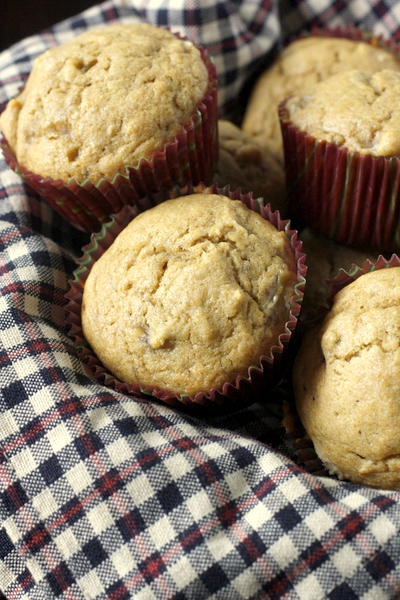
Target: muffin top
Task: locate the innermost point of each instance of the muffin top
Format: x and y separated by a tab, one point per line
190	294
245	164
299	66
354	110
104	100
347	381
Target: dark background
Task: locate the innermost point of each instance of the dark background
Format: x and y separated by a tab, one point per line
21	18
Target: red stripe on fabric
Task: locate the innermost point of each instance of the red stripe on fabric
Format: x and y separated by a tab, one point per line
37	538
120	592
24	585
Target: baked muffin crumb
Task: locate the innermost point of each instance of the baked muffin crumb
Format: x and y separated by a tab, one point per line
190	295
346	382
354	110
104	100
301	65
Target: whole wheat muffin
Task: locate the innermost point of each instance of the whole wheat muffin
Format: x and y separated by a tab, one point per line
190	294
347	382
300	65
354	110
244	164
104	100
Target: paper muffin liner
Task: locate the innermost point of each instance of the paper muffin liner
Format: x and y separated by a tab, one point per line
351	198
261	377
299	443
190	157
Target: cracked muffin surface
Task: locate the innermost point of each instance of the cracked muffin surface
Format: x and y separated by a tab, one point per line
105	99
347	385
190	294
301	65
354	110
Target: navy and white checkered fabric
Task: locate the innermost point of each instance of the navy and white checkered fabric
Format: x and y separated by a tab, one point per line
108	497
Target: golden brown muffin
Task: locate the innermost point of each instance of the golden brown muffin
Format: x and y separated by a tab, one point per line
190	294
324	259
353	110
104	100
244	164
347	382
299	66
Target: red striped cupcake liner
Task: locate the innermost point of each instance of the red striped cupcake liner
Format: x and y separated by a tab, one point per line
261	377
351	198
190	157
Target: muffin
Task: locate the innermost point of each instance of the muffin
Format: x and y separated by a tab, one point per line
115	112
324	259
342	145
193	301
346	380
299	66
243	163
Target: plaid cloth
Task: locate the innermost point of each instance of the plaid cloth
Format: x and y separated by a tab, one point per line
105	496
